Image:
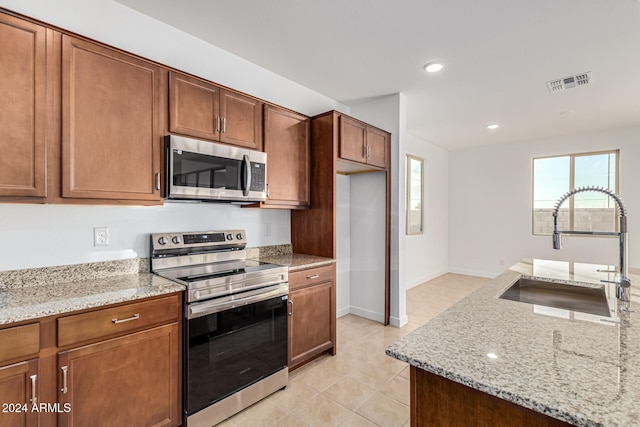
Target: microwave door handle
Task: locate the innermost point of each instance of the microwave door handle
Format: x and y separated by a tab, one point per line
247	175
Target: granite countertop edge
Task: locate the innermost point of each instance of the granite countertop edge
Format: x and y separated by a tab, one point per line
496	391
419	350
20	304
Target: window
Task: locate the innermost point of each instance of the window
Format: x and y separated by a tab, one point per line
415	191
588	211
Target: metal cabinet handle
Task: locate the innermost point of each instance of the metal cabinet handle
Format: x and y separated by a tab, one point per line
313	276
290	313
224	125
158	181
64	379
217	123
368	151
128	319
34	398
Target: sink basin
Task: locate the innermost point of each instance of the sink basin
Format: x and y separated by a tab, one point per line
585	299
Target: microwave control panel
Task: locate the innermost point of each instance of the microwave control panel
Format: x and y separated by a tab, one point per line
258	176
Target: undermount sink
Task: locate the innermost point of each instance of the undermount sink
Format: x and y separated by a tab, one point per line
585	299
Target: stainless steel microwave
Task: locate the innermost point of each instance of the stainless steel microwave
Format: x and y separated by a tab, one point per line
202	170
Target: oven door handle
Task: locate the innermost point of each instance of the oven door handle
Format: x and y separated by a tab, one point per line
221	304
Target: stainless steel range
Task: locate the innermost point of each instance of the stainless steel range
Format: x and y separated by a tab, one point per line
235	322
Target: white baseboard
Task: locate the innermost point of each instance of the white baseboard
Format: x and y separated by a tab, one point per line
343	312
398	322
367	314
424	279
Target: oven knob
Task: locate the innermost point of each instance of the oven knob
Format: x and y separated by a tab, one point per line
229	236
239	236
163	240
175	240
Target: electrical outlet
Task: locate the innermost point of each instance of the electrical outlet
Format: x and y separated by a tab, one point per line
100	236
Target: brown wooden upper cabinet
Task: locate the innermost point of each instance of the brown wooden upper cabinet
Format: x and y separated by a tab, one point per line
203	110
22	117
111	123
286	142
360	142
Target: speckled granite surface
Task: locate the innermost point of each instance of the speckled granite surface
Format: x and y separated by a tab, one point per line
282	255
16	279
39	292
579	368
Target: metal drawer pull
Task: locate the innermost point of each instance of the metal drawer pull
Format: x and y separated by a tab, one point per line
64	380
34	398
314	276
128	319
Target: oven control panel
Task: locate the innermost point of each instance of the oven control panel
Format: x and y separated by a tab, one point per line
208	240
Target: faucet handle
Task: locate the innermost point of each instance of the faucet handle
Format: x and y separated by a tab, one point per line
606	271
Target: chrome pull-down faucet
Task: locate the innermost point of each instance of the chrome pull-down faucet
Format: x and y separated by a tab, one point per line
623	291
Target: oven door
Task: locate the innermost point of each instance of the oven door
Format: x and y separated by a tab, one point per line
202	170
229	350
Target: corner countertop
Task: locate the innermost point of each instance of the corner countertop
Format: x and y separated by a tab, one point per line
579	368
283	255
86	286
297	261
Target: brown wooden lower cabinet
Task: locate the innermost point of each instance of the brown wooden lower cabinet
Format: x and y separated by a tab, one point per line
312	314
128	372
18	389
131	380
439	402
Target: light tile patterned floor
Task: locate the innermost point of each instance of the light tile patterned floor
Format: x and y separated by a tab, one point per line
360	386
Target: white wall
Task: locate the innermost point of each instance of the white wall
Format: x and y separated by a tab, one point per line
427	254
343	245
490	204
47	235
34	235
367	273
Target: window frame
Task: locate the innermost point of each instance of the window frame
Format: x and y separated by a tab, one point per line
570	201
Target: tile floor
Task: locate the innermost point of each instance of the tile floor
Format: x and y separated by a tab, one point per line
360	386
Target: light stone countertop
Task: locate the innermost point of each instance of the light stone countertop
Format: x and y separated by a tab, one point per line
283	255
25	295
579	368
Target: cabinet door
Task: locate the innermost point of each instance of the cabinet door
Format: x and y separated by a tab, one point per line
129	381
241	120
286	142
377	143
111	127
352	139
194	107
22	116
18	387
309	322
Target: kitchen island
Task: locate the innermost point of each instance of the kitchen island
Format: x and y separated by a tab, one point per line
491	361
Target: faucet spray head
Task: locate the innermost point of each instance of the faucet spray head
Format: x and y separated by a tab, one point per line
557	240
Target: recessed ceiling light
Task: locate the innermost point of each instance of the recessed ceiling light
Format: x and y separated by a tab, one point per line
492	355
492	127
433	67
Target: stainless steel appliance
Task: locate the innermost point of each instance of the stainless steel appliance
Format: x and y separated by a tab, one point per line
235	322
203	170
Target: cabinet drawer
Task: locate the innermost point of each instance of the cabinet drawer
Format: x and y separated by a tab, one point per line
311	276
118	320
19	341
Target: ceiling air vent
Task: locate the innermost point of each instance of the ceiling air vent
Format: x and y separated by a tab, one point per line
569	82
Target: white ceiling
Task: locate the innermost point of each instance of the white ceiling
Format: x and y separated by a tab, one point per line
498	55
